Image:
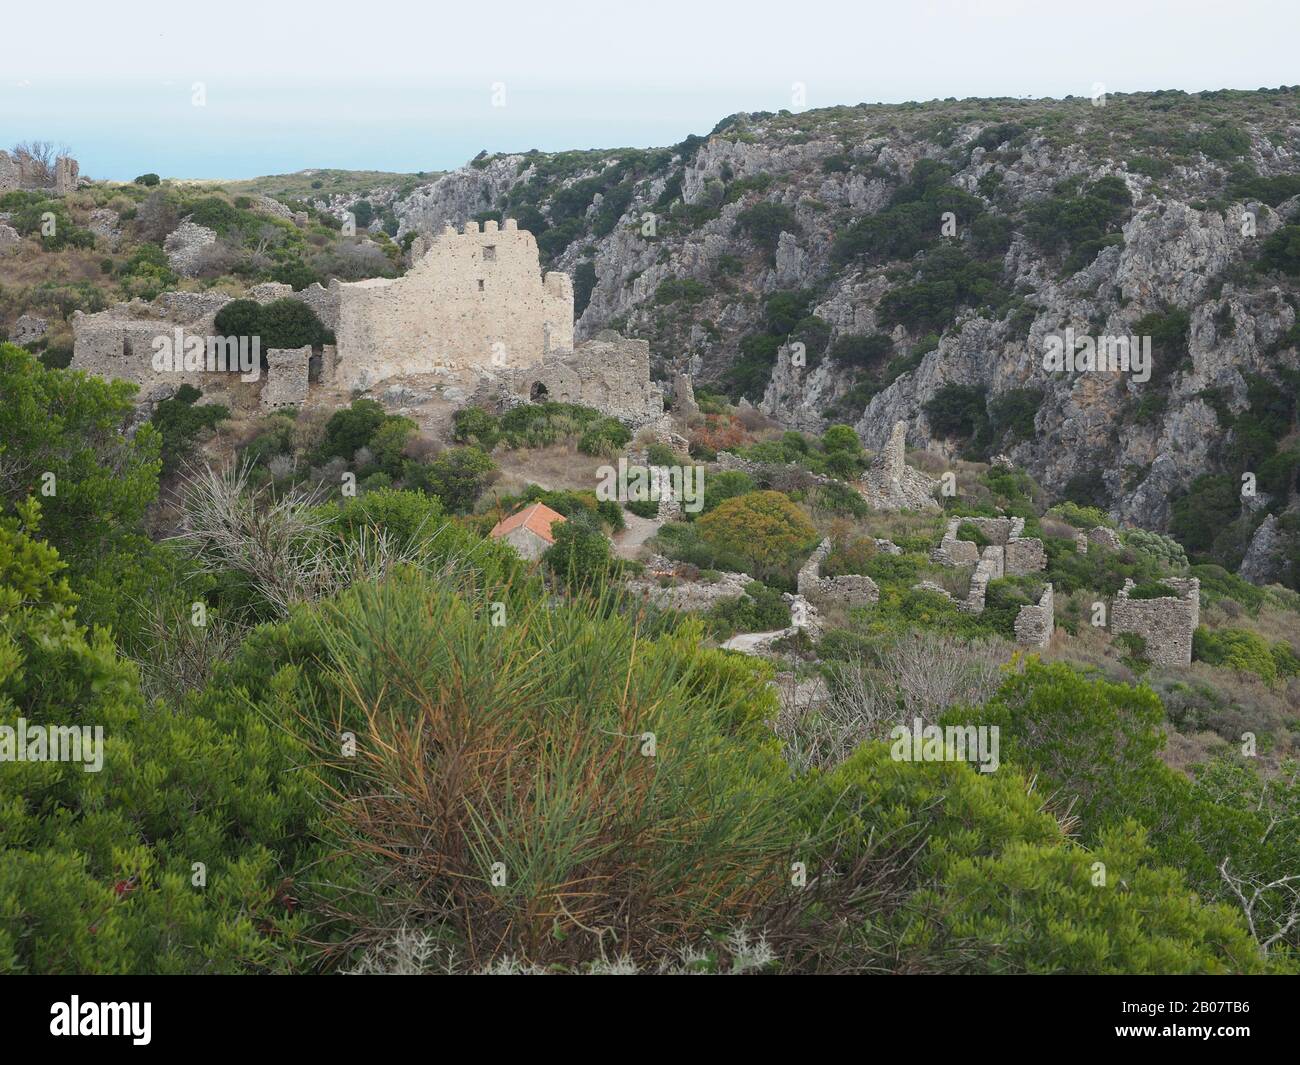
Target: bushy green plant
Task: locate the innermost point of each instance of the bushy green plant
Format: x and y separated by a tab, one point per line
179	421
765	530
457	477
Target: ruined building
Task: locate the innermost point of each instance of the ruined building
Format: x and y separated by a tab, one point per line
891	484
476	299
475	310
20	172
1166	623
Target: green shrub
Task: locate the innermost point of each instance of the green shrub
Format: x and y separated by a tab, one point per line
474	425
179	421
457	477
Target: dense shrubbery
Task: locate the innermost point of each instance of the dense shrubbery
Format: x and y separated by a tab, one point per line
768	533
179	422
286	323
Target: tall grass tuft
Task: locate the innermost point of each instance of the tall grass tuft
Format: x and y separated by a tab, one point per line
556	788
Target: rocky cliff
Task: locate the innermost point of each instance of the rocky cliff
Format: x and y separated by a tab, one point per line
874	263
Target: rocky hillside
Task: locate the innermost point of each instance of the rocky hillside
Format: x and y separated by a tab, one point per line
922	254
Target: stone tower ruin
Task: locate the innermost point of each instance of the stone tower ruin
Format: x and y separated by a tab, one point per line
476	299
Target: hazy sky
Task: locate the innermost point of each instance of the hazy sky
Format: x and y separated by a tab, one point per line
409	86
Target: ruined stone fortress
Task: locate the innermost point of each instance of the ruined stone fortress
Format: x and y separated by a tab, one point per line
474	311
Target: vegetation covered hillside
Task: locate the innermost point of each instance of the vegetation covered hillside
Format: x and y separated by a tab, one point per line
921	255
347	733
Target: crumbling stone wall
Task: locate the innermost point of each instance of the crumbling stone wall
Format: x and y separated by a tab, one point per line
846	590
608	372
952	551
28	329
286	377
891	484
476	299
1019	554
186	245
118	344
324	301
1166	624
691	595
1035	623
684	404
66	175
1100	536
18	173
1024	555
989	568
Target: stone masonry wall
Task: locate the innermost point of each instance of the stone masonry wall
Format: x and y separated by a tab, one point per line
989	568
476	299
286	377
1035	623
847	590
891	484
609	372
16	173
1020	555
1166	624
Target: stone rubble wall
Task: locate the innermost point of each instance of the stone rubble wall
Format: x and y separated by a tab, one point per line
1035	623
185	246
17	173
684	404
1100	536
846	590
891	484
989	568
324	301
609	372
1166	624
1018	555
691	595
286	377
1025	555
28	329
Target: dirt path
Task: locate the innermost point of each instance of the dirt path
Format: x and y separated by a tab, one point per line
628	542
749	642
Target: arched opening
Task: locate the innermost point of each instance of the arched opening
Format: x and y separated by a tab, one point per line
538	393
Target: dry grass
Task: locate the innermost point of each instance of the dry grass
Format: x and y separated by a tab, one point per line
558	467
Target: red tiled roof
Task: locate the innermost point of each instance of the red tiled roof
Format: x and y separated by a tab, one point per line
537	518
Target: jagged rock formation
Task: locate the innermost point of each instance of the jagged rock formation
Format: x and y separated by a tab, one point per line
1264	562
1201	210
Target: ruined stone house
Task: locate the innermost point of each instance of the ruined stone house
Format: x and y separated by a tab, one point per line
19	172
1166	624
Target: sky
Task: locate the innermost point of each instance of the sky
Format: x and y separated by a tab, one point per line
242	88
